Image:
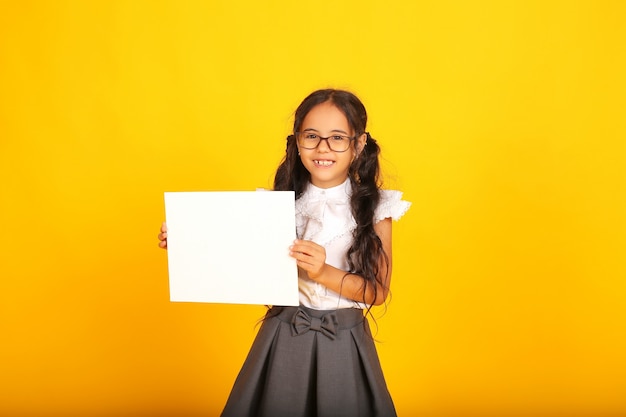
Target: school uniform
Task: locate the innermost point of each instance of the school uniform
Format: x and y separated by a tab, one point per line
318	359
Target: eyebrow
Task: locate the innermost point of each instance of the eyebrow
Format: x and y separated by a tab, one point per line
332	131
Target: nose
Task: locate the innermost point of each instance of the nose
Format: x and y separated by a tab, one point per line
325	147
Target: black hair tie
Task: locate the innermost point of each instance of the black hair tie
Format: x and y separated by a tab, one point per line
290	138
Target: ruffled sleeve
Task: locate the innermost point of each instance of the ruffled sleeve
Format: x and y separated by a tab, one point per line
391	205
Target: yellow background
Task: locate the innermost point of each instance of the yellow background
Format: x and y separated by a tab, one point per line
502	121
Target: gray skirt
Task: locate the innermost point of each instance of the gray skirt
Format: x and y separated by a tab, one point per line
311	363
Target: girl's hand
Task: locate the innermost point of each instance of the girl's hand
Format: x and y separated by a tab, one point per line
163	236
310	256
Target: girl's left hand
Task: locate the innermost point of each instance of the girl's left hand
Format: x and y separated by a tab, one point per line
310	256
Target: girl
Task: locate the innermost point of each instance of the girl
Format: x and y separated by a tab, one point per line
319	359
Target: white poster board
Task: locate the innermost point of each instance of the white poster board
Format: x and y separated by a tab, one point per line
231	247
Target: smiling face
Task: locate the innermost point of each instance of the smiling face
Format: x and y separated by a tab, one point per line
328	168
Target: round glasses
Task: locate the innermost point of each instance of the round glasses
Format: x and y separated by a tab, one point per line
336	143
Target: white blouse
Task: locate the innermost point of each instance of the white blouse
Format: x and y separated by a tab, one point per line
323	216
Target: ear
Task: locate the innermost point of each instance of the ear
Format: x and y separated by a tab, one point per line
293	137
360	143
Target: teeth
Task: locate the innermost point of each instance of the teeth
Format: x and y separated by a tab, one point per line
324	163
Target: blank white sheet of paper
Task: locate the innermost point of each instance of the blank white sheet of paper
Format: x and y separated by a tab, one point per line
231	247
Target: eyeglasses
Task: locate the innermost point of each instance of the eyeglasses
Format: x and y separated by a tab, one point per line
336	143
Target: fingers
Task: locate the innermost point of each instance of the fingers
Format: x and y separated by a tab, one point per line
307	246
307	251
309	256
304	260
163	236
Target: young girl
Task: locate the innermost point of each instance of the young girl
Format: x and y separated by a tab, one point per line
319	359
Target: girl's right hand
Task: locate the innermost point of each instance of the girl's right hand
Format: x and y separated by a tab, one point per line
163	236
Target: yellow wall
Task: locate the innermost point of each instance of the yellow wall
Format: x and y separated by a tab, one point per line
503	122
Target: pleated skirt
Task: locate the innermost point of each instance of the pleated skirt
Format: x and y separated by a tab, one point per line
324	367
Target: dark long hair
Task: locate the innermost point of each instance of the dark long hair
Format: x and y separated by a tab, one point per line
367	250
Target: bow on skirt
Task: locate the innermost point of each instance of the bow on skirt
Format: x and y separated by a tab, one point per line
302	322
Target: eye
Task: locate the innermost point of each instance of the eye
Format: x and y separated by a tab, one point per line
337	138
310	136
